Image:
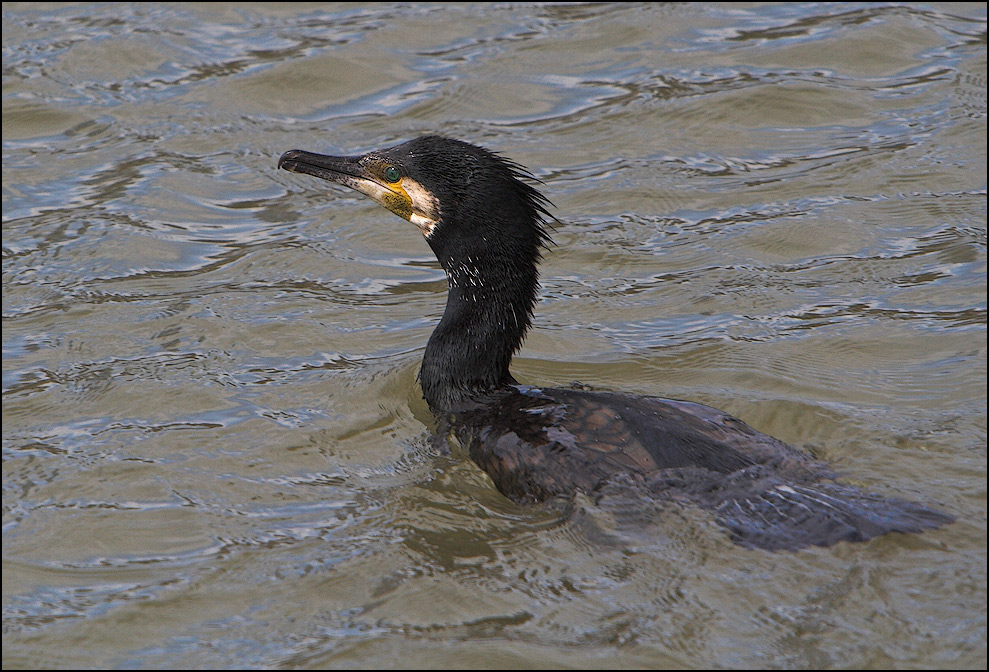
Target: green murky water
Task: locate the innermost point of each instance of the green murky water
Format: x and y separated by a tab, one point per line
215	451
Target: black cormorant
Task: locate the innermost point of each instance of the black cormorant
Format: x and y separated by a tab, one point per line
487	227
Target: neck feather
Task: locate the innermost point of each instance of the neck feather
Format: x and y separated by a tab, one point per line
488	310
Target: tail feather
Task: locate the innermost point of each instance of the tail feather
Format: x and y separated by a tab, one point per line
819	514
761	508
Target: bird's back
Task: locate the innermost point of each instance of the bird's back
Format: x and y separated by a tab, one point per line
537	443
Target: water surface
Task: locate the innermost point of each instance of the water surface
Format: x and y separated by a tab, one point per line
215	450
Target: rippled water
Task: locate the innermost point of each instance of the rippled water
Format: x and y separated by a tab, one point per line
215	451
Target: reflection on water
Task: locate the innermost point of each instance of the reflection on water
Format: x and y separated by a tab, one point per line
215	450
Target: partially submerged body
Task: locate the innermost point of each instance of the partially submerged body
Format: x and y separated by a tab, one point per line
487	229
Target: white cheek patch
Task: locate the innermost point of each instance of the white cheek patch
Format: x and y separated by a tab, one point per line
425	224
425	207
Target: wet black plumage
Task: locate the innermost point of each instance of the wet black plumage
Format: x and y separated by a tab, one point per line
487	227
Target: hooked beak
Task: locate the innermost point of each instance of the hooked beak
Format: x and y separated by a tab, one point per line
345	170
405	197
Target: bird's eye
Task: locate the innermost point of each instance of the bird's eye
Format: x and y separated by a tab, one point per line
392	174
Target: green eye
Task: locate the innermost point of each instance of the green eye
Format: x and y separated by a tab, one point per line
392	174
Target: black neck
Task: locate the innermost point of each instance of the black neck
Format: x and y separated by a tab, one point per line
488	310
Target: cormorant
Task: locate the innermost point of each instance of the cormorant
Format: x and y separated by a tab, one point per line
487	227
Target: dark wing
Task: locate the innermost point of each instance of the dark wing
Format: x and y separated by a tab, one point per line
538	443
